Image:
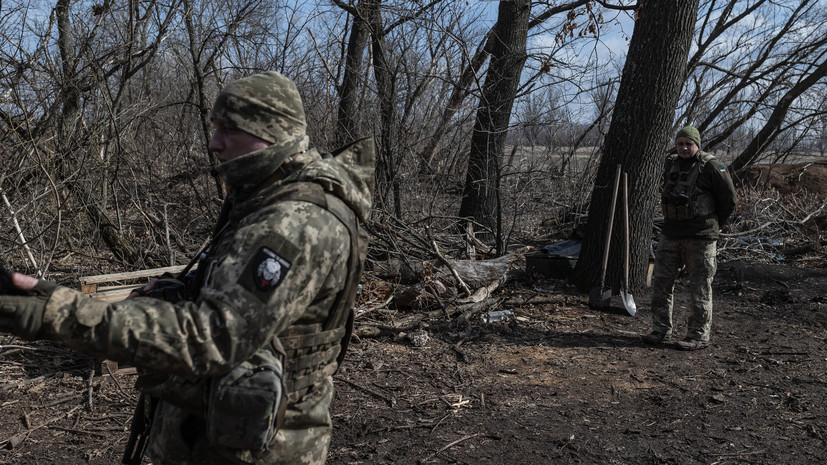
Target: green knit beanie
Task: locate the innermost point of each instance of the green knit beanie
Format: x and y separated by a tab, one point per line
691	133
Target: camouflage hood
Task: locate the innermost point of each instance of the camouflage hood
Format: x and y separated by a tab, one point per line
244	174
347	173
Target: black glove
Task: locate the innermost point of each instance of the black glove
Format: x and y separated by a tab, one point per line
167	288
23	314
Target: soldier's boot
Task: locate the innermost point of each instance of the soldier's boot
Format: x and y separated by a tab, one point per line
656	338
692	344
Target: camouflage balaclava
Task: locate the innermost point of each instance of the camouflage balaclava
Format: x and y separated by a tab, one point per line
691	133
266	105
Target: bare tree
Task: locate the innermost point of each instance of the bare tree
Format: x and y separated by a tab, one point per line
480	195
771	128
754	61
348	90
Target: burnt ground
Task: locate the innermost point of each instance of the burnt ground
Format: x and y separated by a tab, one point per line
559	383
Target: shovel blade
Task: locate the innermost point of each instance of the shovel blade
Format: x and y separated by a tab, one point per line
628	302
600	297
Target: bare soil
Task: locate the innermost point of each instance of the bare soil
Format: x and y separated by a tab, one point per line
559	383
788	178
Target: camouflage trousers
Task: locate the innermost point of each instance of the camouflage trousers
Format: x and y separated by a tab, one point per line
698	255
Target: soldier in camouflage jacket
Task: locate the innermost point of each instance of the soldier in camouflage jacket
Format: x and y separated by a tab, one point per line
698	197
268	304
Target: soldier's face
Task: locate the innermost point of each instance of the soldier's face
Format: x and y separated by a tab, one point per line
686	147
230	142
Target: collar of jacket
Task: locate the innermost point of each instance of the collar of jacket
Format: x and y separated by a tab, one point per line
689	162
243	175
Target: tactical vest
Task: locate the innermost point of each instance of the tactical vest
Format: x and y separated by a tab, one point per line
681	198
314	352
311	352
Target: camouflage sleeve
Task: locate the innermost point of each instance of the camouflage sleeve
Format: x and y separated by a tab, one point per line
284	265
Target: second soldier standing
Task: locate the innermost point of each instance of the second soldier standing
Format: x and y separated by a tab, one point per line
698	197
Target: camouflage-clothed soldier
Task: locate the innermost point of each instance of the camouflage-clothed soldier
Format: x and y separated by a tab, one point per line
697	198
241	370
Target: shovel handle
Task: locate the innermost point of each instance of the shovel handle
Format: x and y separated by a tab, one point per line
609	229
626	231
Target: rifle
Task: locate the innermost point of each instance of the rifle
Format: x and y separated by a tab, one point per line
6	285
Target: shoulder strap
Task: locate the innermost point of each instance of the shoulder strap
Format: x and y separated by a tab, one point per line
705	156
670	165
697	170
299	191
341	314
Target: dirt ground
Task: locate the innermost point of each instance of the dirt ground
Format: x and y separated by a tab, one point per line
558	383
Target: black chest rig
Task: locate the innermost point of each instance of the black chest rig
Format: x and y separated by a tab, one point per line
681	198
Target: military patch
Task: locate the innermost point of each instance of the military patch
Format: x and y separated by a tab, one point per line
268	269
722	169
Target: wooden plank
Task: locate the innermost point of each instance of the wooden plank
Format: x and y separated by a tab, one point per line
88	289
109	286
108	367
113	296
153	272
117	287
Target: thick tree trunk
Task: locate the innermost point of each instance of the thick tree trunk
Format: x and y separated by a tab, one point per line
508	55
455	101
638	138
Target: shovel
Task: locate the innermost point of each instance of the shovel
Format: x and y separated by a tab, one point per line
601	296
628	300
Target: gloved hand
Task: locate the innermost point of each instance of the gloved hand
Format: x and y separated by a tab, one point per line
7	287
23	315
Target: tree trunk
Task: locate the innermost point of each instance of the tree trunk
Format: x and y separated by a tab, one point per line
387	181
346	130
200	76
69	92
637	139
508	55
120	247
457	97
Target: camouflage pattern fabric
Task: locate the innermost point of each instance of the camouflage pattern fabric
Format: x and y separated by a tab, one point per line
305	250
698	255
266	105
691	243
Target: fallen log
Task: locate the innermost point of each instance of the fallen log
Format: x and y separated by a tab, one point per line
417	320
474	273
